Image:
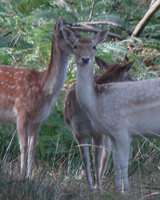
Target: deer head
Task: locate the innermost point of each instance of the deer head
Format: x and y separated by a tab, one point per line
84	48
114	72
58	36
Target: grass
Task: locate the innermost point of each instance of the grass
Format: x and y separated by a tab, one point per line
65	181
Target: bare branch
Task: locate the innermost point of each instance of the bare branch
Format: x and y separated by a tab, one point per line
85	29
95	30
146	19
150	36
105	23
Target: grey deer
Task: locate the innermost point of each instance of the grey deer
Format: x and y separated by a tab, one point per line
28	95
118	110
82	129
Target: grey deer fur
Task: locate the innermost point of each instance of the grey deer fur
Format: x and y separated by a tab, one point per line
82	129
118	110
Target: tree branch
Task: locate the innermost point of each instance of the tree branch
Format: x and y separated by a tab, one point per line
105	23
95	30
146	19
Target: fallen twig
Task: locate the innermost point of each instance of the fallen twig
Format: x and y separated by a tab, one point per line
18	37
7	33
149	195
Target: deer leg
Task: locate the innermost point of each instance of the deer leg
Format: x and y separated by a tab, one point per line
118	178
22	127
121	149
105	155
83	147
32	140
97	158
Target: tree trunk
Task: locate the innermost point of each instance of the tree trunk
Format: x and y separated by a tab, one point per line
146	19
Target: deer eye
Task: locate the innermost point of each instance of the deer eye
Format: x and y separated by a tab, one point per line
75	47
94	47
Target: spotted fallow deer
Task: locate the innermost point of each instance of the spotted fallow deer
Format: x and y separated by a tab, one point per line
82	129
118	110
27	95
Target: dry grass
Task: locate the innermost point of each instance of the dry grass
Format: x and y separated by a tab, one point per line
49	184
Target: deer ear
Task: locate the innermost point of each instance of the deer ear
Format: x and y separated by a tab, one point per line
101	36
101	63
68	35
59	24
128	66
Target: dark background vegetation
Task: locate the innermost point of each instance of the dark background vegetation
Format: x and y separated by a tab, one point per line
25	39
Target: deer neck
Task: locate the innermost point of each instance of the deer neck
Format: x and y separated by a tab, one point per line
56	73
85	89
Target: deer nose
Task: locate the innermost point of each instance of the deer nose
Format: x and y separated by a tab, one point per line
85	60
